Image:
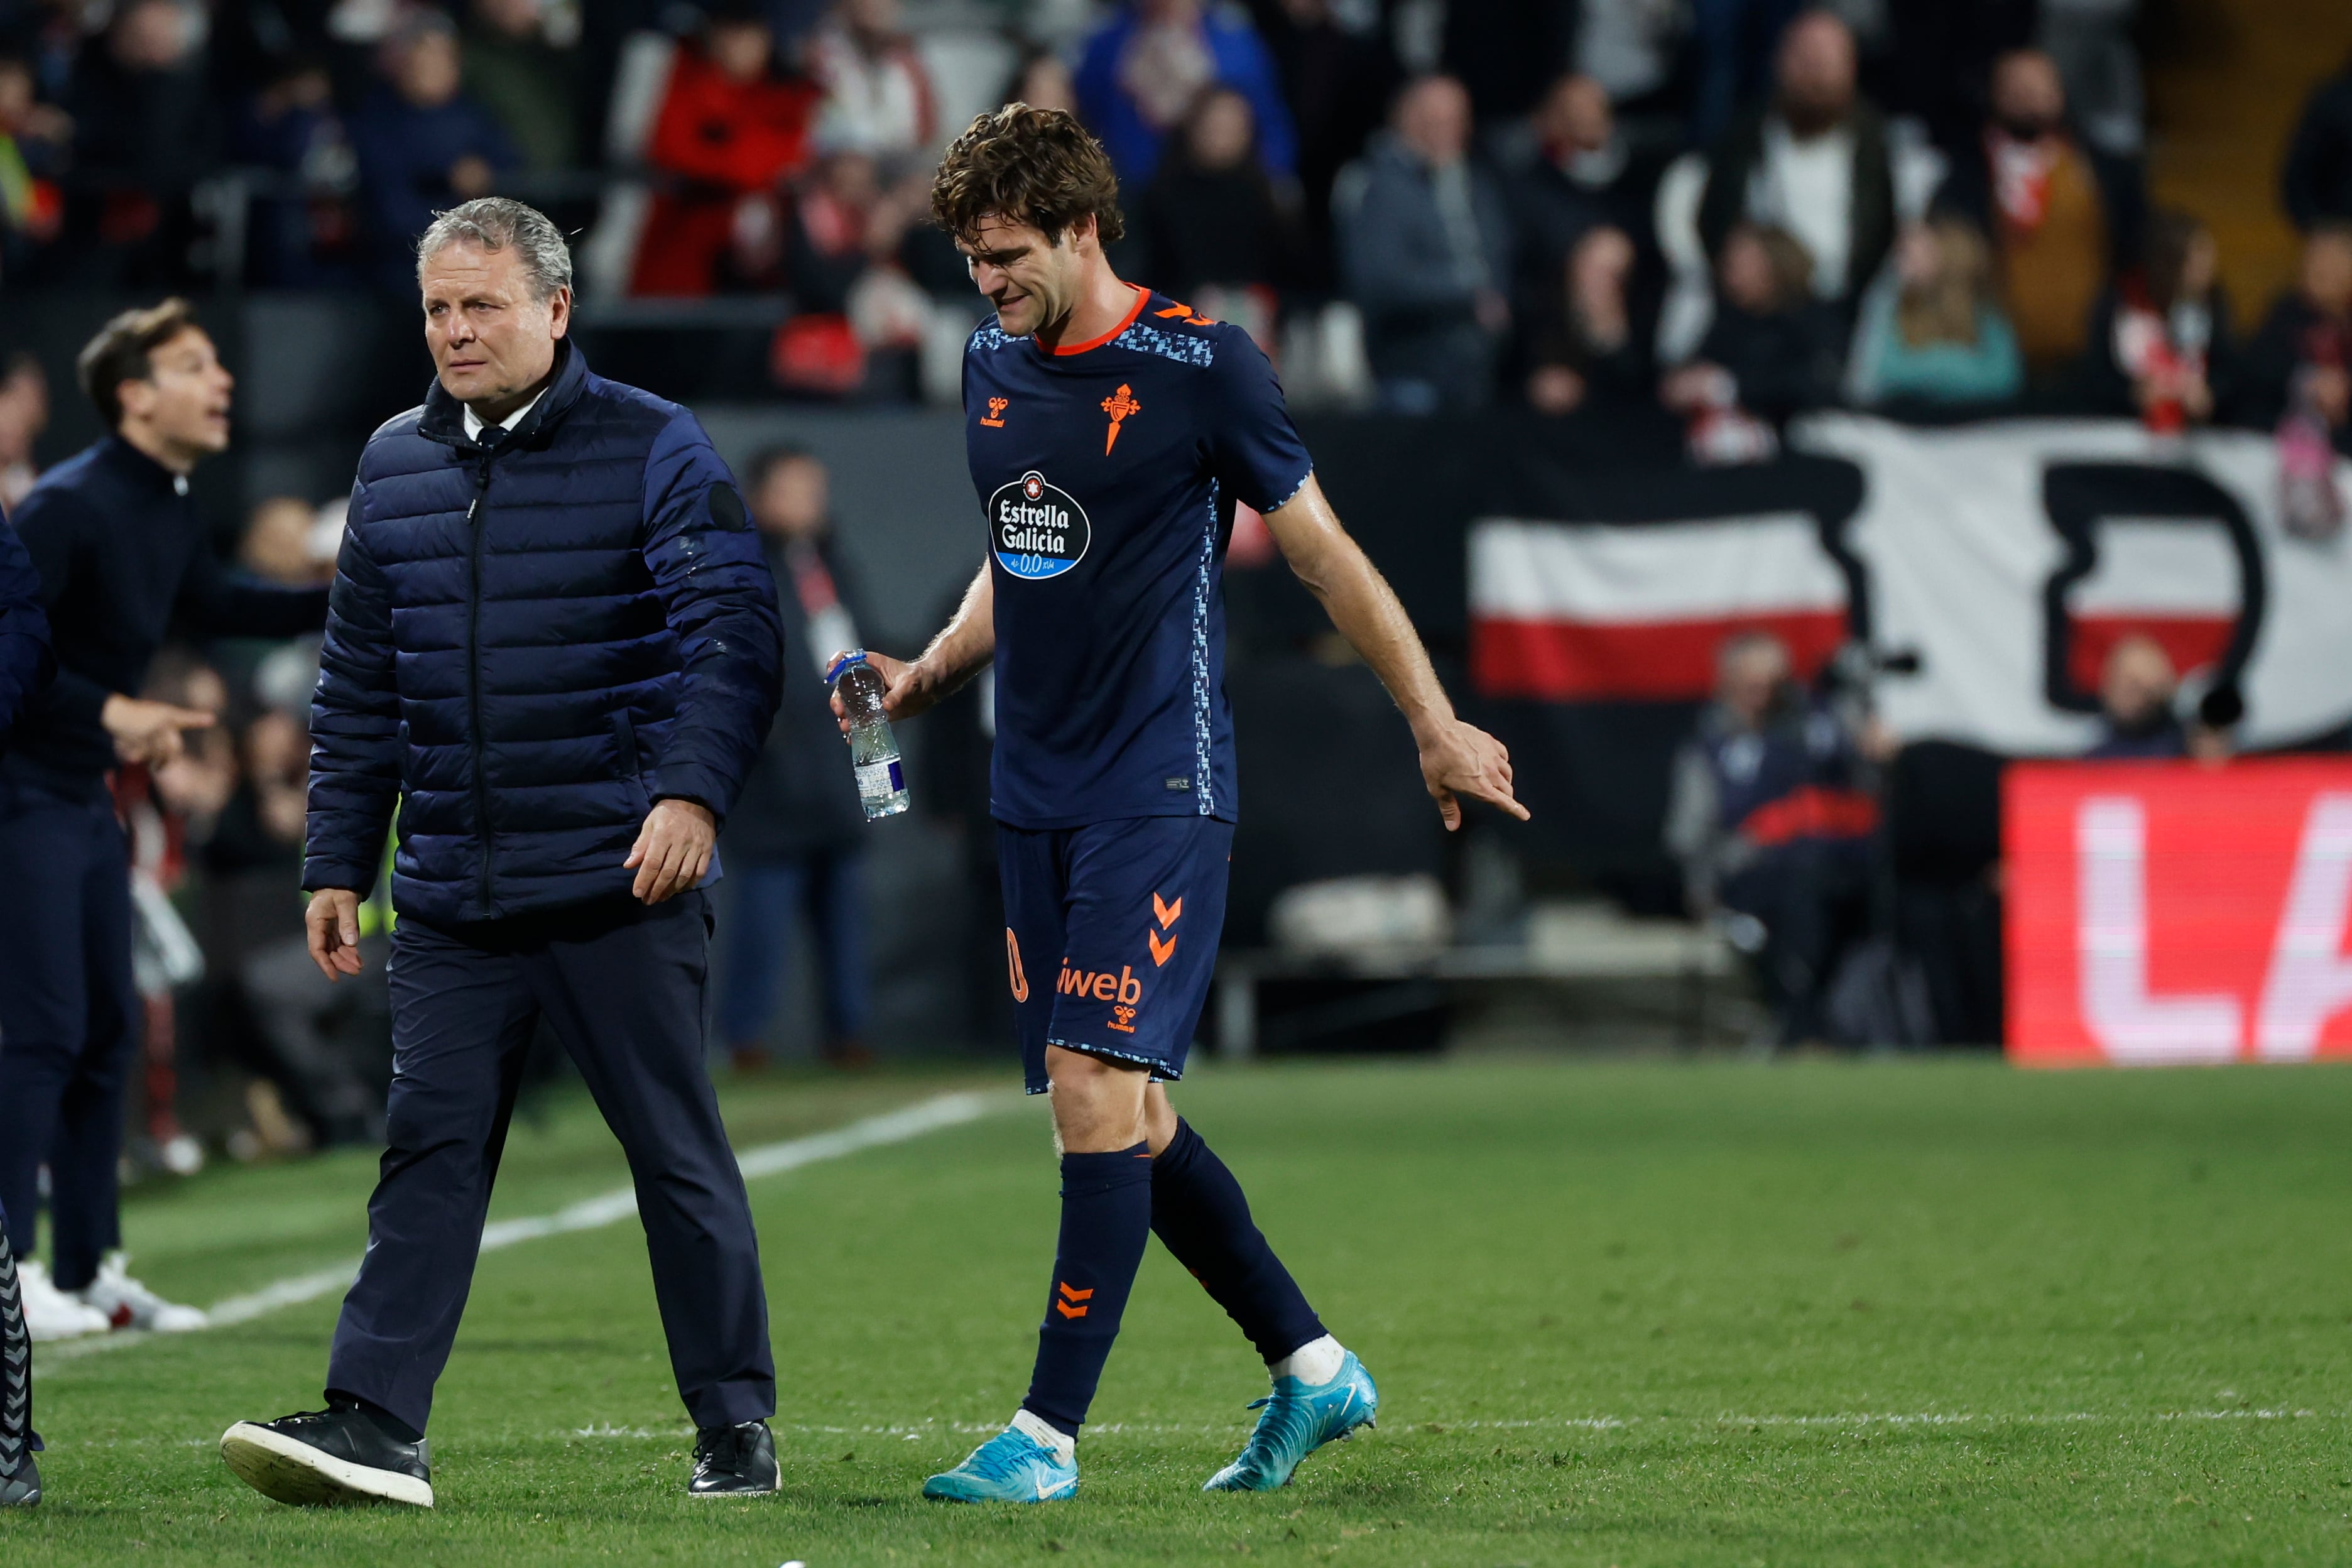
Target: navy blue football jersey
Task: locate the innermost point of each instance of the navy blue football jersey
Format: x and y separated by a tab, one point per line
1108	472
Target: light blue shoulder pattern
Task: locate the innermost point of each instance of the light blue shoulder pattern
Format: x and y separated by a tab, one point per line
1181	347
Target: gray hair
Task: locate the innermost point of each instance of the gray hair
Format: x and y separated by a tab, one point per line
494	223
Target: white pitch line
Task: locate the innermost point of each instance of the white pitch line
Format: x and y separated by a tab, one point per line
913	1430
590	1213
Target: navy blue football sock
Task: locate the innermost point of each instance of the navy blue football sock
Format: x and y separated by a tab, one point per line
1106	1223
1199	1215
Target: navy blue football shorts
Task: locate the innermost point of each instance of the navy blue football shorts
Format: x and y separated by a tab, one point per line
1111	937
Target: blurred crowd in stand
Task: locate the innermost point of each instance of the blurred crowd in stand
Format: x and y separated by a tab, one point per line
1861	878
1740	209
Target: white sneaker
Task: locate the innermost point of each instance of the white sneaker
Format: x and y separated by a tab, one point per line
127	1304
49	1312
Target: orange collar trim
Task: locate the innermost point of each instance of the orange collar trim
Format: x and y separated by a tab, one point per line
1142	298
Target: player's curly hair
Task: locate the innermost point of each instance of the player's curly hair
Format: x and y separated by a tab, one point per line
1035	166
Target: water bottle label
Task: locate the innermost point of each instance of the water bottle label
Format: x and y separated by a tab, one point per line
880	778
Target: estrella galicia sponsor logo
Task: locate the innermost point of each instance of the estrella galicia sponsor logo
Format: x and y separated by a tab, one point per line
1036	531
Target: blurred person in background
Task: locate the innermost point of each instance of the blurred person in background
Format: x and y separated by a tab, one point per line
2137	686
1424	252
527	82
1773	350
166	809
878	98
2301	359
1338	82
122	553
1931	330
1583	176
1588	350
25	666
733	129
1042	80
421	144
827	243
1813	161
36	145
292	127
2160	347
2317	182
1140	70
24	414
282	544
144	134
325	1049
1210	218
1771	814
2060	214
845	250
795	842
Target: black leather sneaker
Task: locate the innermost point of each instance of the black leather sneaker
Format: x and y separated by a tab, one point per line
734	1461
328	1456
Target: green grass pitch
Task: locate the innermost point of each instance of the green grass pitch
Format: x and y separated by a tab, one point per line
1640	1313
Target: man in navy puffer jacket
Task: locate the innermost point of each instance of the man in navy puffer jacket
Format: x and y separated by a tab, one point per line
553	642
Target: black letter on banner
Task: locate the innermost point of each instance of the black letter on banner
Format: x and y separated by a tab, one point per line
2078	496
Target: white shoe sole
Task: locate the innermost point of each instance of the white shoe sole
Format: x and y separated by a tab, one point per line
286	1471
48	1333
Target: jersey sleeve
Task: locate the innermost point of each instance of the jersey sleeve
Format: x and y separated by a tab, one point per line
1254	449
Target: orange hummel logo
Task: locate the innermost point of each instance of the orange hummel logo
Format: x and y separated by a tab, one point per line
1066	1308
1161	951
1167	914
1013	966
1119	405
994	418
1186	312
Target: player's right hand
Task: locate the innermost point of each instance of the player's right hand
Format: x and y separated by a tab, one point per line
1459	758
909	688
333	923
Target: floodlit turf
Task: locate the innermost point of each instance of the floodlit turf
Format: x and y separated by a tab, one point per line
1630	1314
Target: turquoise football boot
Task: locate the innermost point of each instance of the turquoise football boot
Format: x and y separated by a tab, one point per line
1012	1466
1296	1420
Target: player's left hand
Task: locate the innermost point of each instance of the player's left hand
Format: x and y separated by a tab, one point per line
673	849
1458	759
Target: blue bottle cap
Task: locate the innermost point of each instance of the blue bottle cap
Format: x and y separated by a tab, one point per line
832	672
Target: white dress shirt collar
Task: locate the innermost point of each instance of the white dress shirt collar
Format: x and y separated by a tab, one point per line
474	421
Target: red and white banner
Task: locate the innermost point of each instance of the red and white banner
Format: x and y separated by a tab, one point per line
2169	913
2008	557
1568	615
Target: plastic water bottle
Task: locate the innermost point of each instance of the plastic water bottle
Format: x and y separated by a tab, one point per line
873	750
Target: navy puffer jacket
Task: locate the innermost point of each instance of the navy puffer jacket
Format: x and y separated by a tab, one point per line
531	643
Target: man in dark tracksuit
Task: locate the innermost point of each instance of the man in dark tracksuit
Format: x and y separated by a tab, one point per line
25	666
555	644
123	558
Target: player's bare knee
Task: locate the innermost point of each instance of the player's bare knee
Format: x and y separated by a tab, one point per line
1099	1104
